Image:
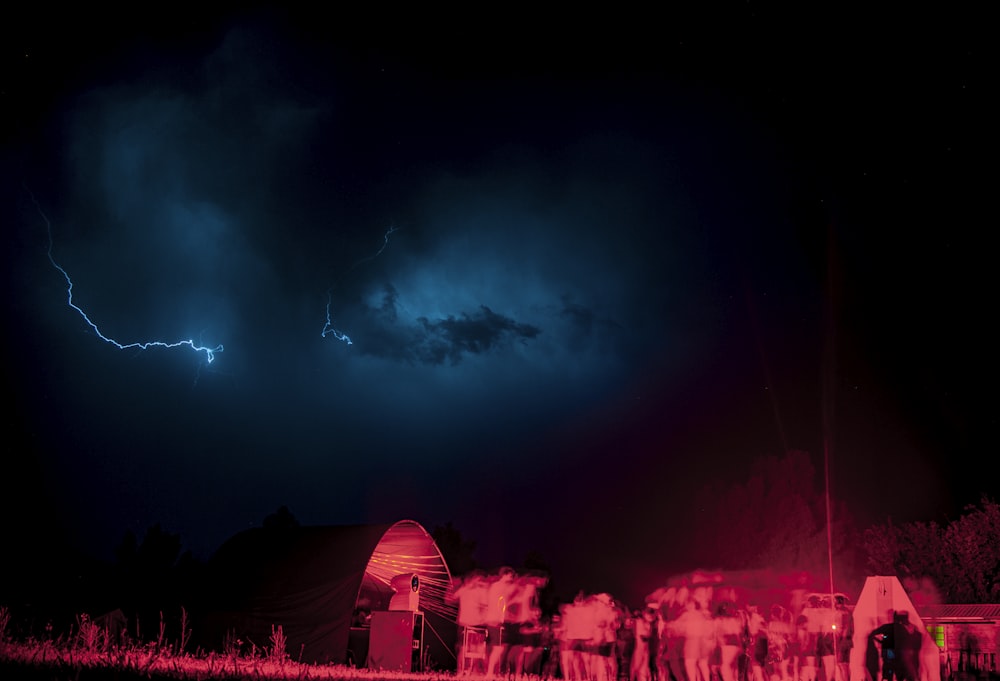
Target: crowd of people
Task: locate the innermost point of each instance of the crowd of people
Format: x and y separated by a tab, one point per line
696	630
704	631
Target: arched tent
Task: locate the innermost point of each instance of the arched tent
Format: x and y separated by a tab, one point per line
312	581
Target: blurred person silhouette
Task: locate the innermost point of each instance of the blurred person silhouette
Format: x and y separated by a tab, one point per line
900	641
698	632
845	638
499	633
779	634
908	642
603	622
826	644
525	614
642	630
807	630
625	641
552	641
472	595
728	626
668	639
574	653
756	642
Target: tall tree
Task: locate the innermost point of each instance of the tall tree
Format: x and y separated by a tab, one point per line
962	558
973	544
281	518
154	580
456	549
776	519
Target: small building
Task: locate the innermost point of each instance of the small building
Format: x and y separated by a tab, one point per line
968	636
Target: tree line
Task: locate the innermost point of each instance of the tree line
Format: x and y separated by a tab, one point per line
958	562
775	518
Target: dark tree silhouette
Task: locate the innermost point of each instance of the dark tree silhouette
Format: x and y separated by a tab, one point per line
154	580
456	549
159	551
533	560
549	597
961	559
775	519
281	518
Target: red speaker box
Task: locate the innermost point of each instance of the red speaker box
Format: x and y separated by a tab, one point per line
396	641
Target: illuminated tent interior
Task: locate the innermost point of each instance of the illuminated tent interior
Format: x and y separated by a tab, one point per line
314	581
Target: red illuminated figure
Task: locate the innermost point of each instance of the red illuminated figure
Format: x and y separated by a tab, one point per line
472	595
500	630
643	625
695	627
604	623
524	615
728	630
779	648
756	642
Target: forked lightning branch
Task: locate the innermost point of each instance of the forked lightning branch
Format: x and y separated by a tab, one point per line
209	352
328	328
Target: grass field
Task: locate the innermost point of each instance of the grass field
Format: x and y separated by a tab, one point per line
49	660
87	653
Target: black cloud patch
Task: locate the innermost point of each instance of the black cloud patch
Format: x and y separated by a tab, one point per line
470	334
439	341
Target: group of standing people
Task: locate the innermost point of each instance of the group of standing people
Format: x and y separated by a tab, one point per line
502	630
689	632
499	618
586	638
704	633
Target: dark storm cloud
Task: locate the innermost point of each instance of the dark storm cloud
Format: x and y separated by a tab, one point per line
471	333
532	282
437	341
516	291
203	197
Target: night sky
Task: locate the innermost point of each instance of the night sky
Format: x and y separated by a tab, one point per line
587	263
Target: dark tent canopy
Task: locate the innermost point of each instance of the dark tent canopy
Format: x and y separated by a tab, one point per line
311	581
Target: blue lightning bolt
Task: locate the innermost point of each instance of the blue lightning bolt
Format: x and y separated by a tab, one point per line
209	352
328	327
